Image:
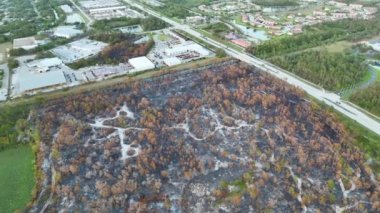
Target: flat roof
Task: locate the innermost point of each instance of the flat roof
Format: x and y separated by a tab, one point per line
74	18
78	49
21	42
141	63
66	8
45	63
33	81
91	4
172	61
67	31
187	46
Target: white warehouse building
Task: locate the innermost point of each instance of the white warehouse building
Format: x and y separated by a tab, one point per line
43	65
141	63
37	81
187	47
68	31
172	61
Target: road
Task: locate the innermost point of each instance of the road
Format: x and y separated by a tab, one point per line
90	20
320	94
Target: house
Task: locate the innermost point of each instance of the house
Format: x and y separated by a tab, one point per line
370	10
245	18
241	42
337	4
297	29
356	6
339	15
319	13
231	36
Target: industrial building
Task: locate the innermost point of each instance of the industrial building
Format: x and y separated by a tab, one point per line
141	63
74	18
108	12
37	81
107	9
172	61
26	43
43	65
187	47
92	4
68	31
114	12
66	9
79	49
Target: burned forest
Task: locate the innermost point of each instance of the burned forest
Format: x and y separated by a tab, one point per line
220	138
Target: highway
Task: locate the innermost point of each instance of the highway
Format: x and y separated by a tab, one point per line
320	94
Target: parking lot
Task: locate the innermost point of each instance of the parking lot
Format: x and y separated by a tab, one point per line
162	41
167	41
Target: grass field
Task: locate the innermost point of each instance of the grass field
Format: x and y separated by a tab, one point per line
16	178
378	74
3	51
163	37
338	47
225	42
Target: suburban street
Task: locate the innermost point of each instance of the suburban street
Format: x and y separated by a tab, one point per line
320	94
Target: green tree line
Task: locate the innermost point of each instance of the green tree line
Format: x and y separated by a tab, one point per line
368	98
333	71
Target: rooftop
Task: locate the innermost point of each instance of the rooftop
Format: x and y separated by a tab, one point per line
45	63
68	31
172	61
141	63
78	49
33	81
24	42
66	8
74	18
91	4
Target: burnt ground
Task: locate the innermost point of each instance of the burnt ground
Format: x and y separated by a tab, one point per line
220	138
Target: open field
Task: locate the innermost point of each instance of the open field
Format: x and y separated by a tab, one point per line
16	178
378	74
336	47
3	51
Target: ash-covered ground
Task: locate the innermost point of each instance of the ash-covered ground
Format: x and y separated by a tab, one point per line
221	138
